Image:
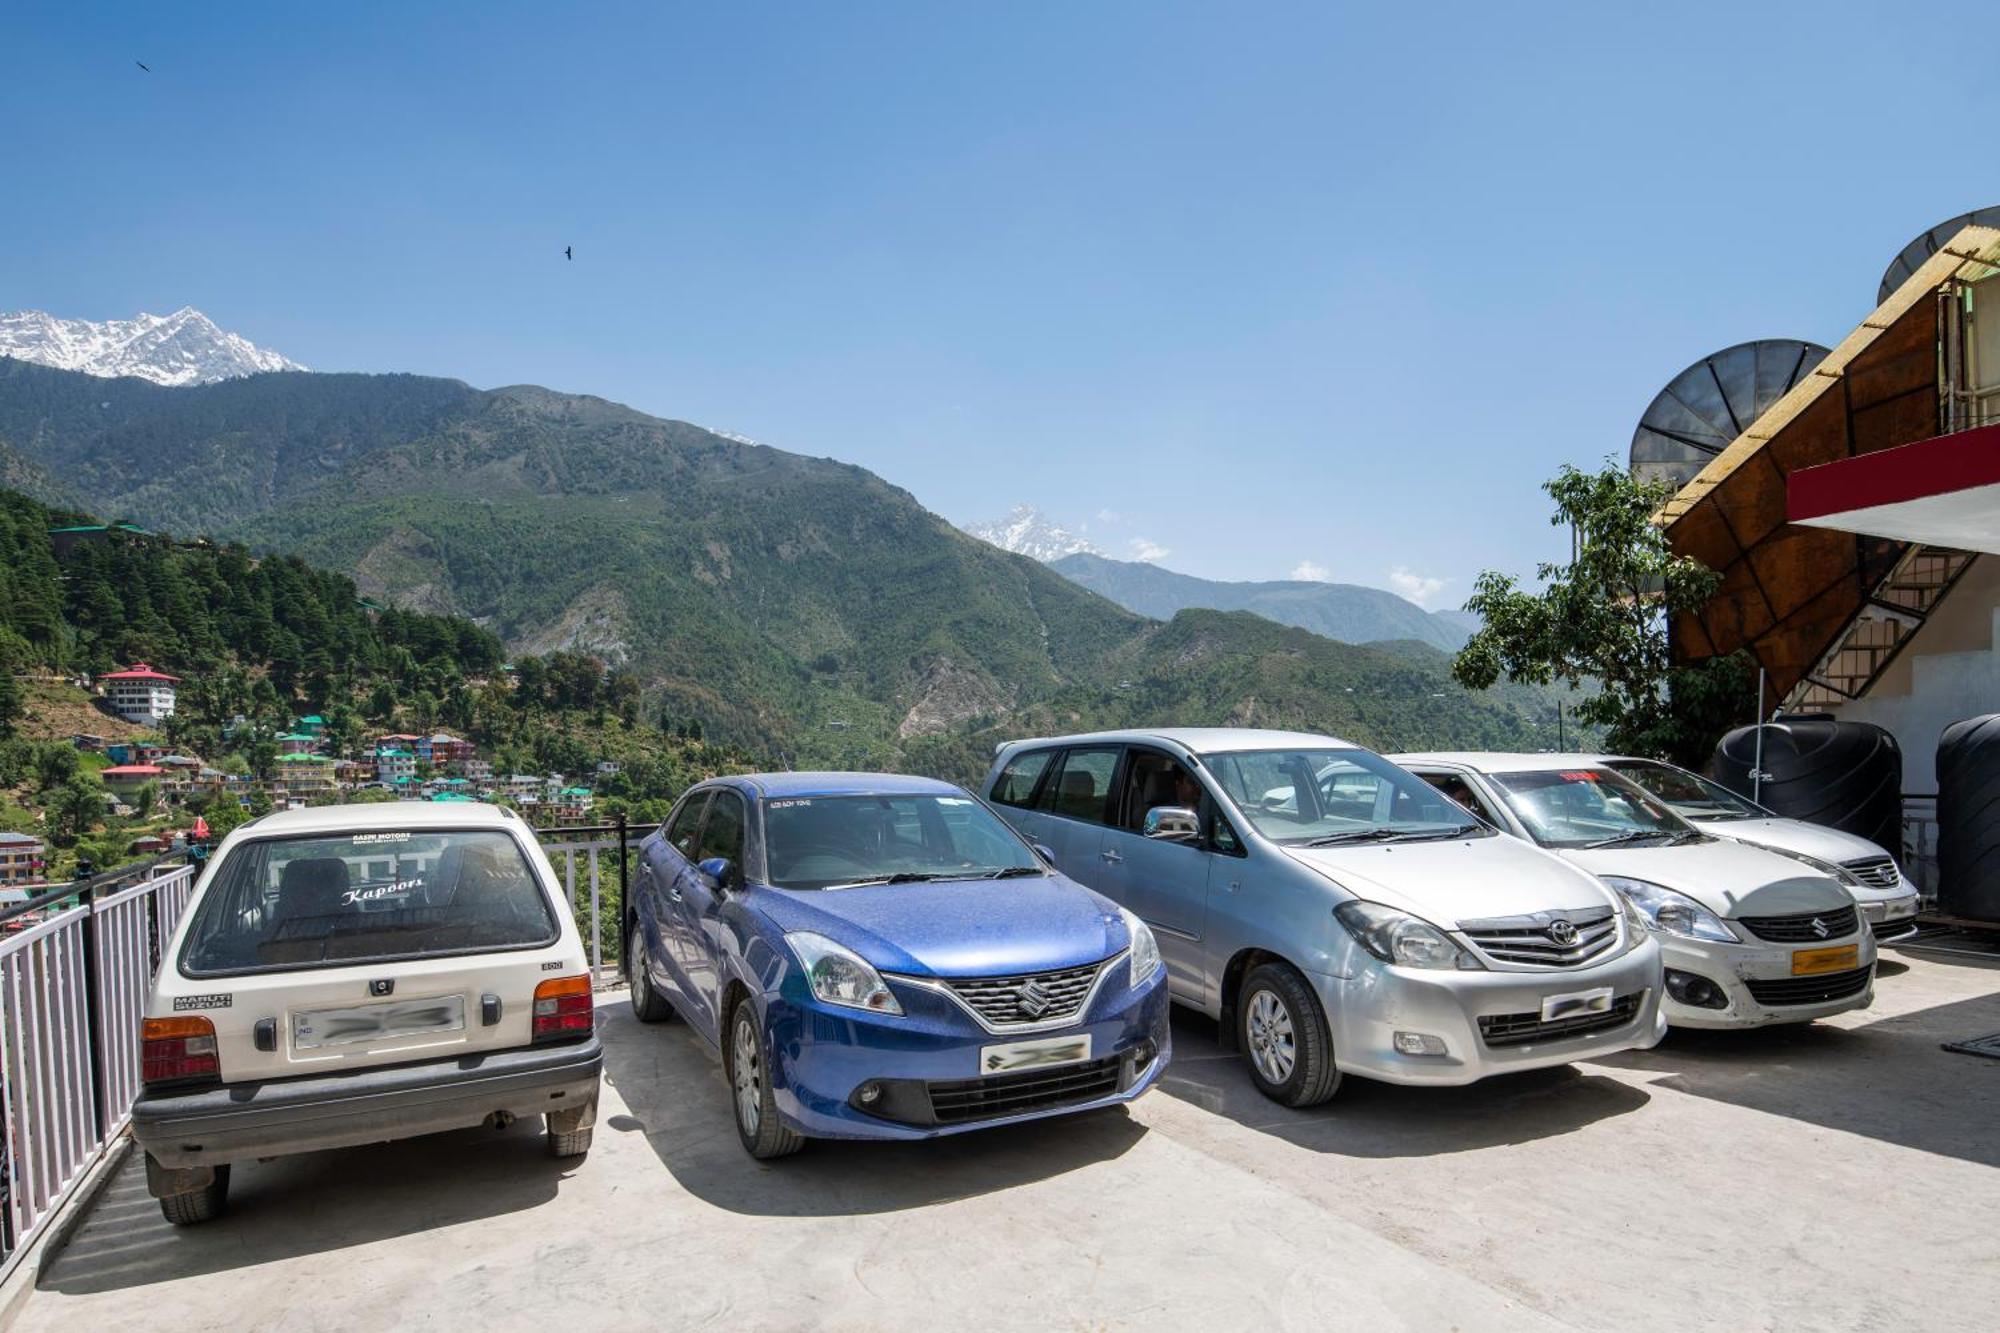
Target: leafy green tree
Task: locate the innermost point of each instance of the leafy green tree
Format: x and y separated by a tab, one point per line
11	707
72	808
55	764
1601	619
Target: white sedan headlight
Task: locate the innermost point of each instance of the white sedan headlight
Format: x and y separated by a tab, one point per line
838	975
1847	878
1145	949
1672	912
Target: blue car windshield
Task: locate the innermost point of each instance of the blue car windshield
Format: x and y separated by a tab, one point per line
835	842
1322	798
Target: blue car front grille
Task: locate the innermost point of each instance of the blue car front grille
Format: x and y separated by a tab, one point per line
1031	998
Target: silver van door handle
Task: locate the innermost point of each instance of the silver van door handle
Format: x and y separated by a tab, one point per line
1111	856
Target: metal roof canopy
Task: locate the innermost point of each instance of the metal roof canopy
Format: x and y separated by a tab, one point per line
1944	491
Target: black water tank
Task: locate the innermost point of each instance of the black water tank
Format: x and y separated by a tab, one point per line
1968	768
1845	775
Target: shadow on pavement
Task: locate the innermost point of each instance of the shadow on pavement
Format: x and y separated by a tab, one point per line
308	1207
1370	1119
678	1100
1889	1080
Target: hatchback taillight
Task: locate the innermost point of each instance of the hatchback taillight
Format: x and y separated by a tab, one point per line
177	1050
562	1008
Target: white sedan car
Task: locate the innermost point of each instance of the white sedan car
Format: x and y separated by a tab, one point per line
1887	899
356	974
1748	936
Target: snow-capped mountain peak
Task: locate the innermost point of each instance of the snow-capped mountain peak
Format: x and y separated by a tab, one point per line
1027	531
185	347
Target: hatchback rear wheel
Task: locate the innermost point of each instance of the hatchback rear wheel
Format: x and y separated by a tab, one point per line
648	1005
1284	1037
764	1135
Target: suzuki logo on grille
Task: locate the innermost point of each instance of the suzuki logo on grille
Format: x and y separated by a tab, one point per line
1820	928
1562	932
1031	999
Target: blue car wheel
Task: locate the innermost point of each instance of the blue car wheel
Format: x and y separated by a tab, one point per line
763	1134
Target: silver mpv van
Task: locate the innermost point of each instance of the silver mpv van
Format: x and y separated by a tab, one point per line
1336	914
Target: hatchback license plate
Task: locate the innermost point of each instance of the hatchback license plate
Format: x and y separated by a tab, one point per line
1577	1003
1039	1054
1812	962
314	1028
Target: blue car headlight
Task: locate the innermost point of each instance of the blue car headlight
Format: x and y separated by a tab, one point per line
1145	949
838	975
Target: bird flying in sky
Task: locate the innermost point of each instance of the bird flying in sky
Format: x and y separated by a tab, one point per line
143	65
567	253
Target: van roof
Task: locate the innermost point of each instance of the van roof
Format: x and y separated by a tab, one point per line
1198	740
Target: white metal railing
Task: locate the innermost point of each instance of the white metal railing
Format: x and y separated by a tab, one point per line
73	989
579	855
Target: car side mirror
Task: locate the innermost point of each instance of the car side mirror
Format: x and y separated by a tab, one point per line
1171	823
718	872
1048	857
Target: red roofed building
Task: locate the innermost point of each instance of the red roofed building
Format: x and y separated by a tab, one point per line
123	780
140	694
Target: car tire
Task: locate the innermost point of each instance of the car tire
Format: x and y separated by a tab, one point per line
202	1205
573	1144
752	1103
1284	1038
648	1005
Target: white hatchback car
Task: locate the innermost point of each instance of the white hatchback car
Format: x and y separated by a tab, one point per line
356	974
1888	900
1749	936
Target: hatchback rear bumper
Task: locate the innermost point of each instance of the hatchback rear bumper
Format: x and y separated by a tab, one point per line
207	1127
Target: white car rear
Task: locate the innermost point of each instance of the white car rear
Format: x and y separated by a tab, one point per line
355	974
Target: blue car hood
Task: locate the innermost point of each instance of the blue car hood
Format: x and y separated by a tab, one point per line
960	928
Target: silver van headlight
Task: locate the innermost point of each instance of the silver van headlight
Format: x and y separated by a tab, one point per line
1408	941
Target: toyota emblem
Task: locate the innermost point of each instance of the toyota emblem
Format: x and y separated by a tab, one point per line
1031	999
1563	933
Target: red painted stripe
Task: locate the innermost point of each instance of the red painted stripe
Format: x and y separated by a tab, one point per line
1937	466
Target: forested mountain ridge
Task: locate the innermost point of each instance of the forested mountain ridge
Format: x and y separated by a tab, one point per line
800	607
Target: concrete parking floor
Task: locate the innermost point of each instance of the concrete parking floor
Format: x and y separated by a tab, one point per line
1836	1176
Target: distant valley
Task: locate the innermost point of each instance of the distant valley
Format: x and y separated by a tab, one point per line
1348	612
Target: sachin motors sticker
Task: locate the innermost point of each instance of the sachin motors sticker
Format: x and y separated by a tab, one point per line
182	1002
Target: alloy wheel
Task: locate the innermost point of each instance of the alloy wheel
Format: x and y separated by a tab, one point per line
1273	1046
746	1070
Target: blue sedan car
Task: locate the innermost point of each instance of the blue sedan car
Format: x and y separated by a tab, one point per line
882	957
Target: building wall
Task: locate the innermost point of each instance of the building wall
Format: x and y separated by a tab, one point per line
1950	671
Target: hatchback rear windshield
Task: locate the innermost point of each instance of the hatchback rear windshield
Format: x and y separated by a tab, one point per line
366	897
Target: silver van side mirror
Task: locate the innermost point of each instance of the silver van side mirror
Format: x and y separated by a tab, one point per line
1171	823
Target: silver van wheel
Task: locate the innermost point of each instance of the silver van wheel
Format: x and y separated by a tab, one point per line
1273	1045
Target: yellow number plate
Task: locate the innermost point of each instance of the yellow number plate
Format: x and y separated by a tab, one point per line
1812	962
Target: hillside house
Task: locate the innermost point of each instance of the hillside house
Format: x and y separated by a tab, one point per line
570	804
88	741
395	766
133	752
474	770
21	858
140	694
65	540
296	742
443	750
312	724
126	781
305	774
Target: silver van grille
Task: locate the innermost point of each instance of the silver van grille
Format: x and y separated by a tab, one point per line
1546	939
1035	997
1877	872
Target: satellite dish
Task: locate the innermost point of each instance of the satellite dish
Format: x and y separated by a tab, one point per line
1916	252
1710	403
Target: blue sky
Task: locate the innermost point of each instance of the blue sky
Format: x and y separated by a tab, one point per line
1274	285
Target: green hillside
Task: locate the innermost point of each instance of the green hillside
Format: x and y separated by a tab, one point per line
800	607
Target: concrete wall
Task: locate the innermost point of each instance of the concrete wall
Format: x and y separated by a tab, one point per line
1950	671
